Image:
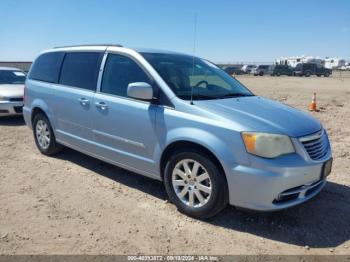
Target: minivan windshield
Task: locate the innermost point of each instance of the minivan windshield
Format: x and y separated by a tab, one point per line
186	74
12	77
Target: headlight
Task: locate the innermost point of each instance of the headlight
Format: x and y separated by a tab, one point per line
267	145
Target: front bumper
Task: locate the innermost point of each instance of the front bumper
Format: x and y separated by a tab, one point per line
10	108
273	184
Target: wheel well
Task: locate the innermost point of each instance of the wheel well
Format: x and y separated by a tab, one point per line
35	111
183	145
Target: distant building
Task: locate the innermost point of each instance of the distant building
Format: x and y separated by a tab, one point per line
17	64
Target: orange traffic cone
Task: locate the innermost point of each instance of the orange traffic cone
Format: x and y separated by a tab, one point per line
313	106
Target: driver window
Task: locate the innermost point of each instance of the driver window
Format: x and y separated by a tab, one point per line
119	72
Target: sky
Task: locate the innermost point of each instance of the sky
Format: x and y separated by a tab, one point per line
226	30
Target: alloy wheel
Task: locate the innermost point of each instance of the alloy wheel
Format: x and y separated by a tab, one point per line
191	183
43	134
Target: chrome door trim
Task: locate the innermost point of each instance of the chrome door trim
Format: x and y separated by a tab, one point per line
100	73
115	163
118	138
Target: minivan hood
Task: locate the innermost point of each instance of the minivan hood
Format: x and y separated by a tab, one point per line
11	90
263	115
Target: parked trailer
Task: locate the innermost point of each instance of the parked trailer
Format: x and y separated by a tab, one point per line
294	60
334	63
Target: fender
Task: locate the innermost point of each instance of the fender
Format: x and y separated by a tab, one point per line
39	103
222	151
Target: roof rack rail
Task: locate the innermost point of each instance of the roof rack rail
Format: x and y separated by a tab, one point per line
117	45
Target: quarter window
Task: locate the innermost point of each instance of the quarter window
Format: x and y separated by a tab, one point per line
119	72
80	69
47	67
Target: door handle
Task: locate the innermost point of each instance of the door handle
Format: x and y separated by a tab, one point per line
83	101
101	105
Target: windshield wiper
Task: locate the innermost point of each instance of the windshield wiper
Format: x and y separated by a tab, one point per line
203	96
198	97
206	97
233	95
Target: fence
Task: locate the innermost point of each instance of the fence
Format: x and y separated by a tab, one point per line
17	64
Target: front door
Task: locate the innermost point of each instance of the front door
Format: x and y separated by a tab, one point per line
124	128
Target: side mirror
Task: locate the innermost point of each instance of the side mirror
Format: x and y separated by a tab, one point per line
140	90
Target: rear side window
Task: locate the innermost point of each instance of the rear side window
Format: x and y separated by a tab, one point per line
308	66
47	67
119	72
80	69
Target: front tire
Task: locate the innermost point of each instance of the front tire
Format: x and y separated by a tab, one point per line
195	184
43	135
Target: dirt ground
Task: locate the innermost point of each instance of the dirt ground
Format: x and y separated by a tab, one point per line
74	204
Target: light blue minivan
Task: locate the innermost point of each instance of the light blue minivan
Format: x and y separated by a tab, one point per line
179	119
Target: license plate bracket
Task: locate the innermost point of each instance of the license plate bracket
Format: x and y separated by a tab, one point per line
326	168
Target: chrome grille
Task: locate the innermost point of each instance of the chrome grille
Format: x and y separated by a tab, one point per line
316	145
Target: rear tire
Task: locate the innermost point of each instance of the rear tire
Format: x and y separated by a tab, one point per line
278	73
201	191
43	135
326	74
307	73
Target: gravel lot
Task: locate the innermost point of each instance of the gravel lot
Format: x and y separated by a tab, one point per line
74	204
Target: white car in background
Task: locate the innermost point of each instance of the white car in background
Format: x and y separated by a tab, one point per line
11	91
248	68
345	67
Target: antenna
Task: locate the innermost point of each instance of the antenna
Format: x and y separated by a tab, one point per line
194	51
